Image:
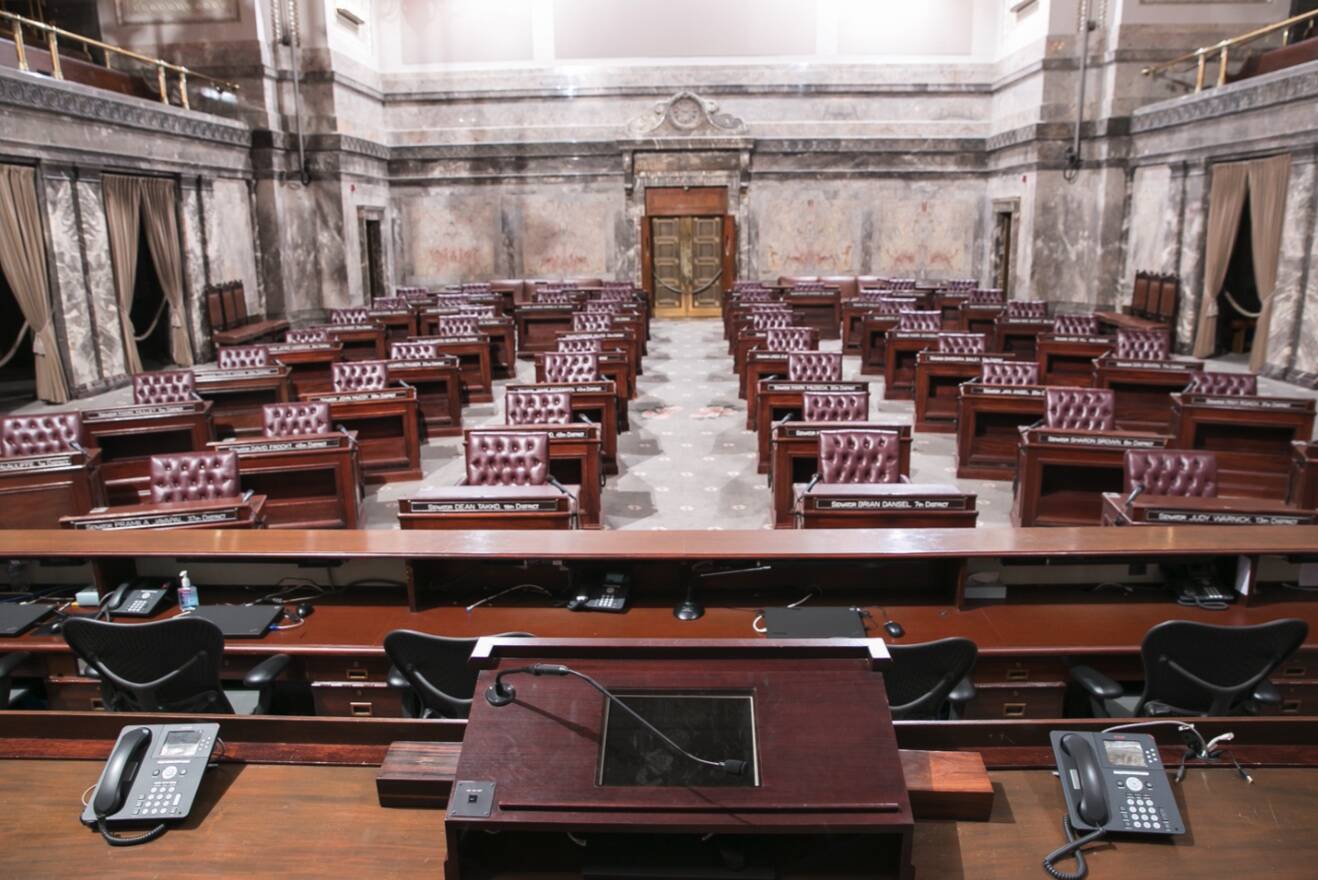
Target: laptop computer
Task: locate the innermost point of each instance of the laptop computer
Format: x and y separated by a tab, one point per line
241	621
17	619
813	623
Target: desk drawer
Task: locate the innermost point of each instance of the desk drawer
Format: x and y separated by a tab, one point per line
74	693
356	699
1010	670
1041	699
1297	697
359	669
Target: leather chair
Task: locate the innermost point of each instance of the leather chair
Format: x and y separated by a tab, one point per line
500	458
413	350
922	322
601	307
294	419
960	285
987	296
561	366
1180	472
770	320
859	456
389	304
892	305
930	681
1009	373
457	325
354	317
814	366
306	337
1078	409
839	406
1143	345
1075	325
241	357
538	408
592	322
194	476
47	434
898	283
586	345
555	297
791	339
962	343
1225	384
1027	308
360	375
168	386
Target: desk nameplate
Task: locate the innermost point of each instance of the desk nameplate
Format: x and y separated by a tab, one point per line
429	363
358	396
159	520
1099	440
390	313
146	411
1077	339
924	502
1042	323
772	386
977	389
1218	401
570	388
215	377
269	447
947	357
1225	518
761	355
291	347
349	328
1160	366
551	308
547	505
913	334
459	340
595	334
38	464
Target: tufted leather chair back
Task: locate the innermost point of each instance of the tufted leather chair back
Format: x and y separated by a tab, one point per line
457	325
1182	472
501	458
623	294
1078	409
304	337
840	406
349	316
900	283
40	435
814	366
479	312
538	407
604	308
986	296
292	419
1143	345
1075	325
390	303
592	322
960	284
770	320
194	476
586	344
1027	308
1227	384
169	386
1009	373
889	305
872	294
756	296
576	366
238	357
921	321
360	375
413	350
859	456
962	343
555	297
791	339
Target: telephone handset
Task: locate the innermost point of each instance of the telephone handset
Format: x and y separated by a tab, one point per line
134	599
152	776
611	595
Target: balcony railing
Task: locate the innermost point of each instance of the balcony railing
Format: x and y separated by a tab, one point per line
1224	52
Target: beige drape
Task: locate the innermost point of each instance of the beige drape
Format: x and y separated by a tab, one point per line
123	202
23	261
161	216
1225	200
1268	181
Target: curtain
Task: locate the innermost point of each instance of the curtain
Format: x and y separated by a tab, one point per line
1268	180
1225	200
23	261
123	210
161	216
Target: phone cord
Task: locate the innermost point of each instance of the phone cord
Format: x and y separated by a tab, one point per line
130	841
1072	847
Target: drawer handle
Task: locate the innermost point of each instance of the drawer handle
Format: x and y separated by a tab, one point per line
1290	707
97	704
1013	710
357	674
360	710
1293	672
1018	675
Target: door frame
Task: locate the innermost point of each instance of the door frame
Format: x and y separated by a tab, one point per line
687	201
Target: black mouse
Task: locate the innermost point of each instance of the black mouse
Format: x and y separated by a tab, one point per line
894	629
304	610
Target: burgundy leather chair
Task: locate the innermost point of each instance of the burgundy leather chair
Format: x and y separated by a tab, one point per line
923	322
412	350
587	345
859	456
814	366
353	317
873	294
194	476
893	305
1143	345
1075	325
987	296
389	304
592	322
306	337
840	406
360	375
960	285
168	386
502	458
601	307
791	339
1225	384
962	343
1078	409
756	296
1027	308
770	320
555	297
538	408
1181	472
47	434
241	357
899	283
562	366
1009	373
457	325
294	419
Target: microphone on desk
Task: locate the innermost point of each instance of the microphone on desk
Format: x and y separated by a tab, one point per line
500	694
1130	499
553	481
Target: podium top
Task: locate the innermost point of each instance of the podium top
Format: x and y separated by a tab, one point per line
491	649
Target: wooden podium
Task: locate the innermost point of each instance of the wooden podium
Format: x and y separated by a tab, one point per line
823	794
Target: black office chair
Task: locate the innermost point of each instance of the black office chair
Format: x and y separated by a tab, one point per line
1200	669
434	672
930	680
9	695
168	666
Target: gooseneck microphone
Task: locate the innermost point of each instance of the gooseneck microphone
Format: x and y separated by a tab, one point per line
500	694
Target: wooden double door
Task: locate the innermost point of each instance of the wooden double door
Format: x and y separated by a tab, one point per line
689	243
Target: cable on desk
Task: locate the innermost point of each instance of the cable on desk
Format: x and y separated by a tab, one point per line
1071	848
479	602
759	618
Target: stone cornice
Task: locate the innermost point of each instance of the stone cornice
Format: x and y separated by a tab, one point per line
1283	87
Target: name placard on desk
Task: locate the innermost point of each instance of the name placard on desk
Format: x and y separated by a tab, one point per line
913	334
571	434
160	520
977	389
547	505
547	307
601	334
263	447
290	347
761	355
947	357
1254	403
1226	518
458	340
1102	441
1017	321
353	396
36	463
389	313
813	386
146	411
1164	366
569	388
422	364
910	503
1080	339
350	328
205	377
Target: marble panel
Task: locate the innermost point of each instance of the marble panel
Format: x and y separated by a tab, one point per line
71	282
1193	241
1150	247
230	239
100	281
194	265
449	234
1288	296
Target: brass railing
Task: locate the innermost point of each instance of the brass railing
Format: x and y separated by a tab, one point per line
54	34
1223	51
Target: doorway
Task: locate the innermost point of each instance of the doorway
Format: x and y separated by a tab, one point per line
18	377
1238	305
150	310
688	248
372	255
1004	246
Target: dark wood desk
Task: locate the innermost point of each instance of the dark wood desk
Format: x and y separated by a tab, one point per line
387	428
901	351
538	326
615	367
473	354
978	317
1303	488
887	506
1172	510
1018	335
501	332
128	436
36	491
796	459
237	396
219	513
760	365
438	385
1068	359
874	330
988	423
574	460
938	379
398	324
745	342
949	303
361	342
312	481
821	310
610	340
781	401
598	402
1062	475
309	363
486	507
1143	389
854	313
1251	437
1111	322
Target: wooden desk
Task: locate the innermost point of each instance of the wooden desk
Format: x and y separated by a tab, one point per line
128	436
760	365
745	342
887	506
1110	322
796	459
237	396
1172	510
949	304
309	364
978	317
988	423
597	401
399	324
361	342
854	313
901	351
1251	437
574	460
538	326
438	385
1303	488
610	340
1143	389
1018	335
473	355
938	379
36	491
614	367
1068	359
821	310
874	330
219	513
500	331
1062	475
487	507
780	401
311	481
387	429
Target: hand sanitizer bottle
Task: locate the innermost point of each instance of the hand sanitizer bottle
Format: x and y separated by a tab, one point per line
187	593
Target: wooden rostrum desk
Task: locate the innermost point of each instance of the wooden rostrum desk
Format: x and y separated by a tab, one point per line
127	437
1251	436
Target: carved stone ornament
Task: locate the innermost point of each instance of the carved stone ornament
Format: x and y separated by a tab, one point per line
686	114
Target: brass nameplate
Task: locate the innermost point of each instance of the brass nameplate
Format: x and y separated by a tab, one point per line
947	357
570	388
1254	403
548	505
1075	339
571	434
772	386
1226	518
421	364
350	397
208	377
160	520
144	411
290	347
1103	441
977	389
935	502
272	446
1163	366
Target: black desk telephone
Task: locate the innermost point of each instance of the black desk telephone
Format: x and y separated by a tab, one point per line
611	595
151	777
1113	782
136	598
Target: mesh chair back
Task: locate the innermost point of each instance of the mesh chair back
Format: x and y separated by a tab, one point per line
921	676
437	668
